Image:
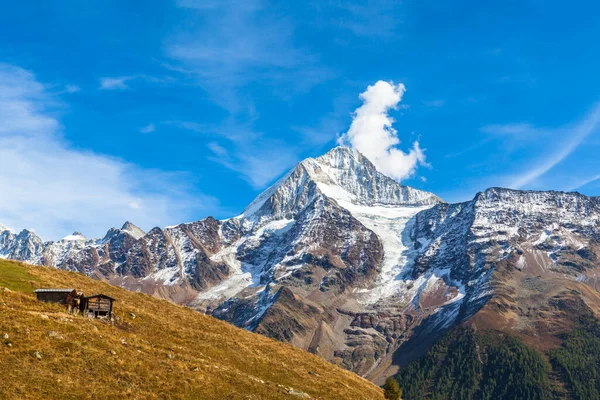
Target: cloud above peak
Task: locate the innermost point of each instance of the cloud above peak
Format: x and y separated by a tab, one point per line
372	132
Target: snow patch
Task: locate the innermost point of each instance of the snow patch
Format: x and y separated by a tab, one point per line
167	276
392	225
74	237
242	275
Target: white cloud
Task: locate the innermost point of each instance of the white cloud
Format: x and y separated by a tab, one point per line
372	133
148	128
118	83
48	185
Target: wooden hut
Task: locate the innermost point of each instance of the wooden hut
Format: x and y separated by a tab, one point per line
60	296
97	305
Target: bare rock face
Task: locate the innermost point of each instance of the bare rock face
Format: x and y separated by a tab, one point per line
344	262
177	256
24	246
152	252
289	317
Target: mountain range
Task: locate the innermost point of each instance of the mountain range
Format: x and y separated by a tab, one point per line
343	261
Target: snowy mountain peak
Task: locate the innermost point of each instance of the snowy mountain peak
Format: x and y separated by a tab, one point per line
345	174
343	157
133	230
25	233
4	228
342	174
75	236
128	225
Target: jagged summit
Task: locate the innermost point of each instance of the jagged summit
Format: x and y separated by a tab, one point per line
342	174
128	225
128	229
353	172
26	233
500	193
343	157
75	236
4	228
133	230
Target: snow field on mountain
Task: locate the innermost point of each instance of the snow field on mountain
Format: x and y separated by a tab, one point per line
242	275
390	224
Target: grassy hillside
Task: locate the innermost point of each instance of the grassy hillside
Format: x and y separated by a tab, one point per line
155	350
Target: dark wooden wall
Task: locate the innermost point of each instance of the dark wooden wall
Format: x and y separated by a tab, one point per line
53	297
97	305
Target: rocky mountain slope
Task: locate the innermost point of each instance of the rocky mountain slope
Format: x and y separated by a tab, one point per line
527	263
343	261
153	350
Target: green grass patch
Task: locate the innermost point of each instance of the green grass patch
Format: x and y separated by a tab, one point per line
15	277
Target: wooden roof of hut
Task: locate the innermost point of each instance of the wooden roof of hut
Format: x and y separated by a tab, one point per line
53	290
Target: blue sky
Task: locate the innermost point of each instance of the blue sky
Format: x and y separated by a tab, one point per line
165	112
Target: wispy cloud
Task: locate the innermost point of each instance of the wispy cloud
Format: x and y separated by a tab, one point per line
258	166
378	18
584	182
54	188
326	129
435	103
227	45
72	89
148	128
258	159
118	83
574	135
193	126
123	82
316	133
233	50
218	150
510	129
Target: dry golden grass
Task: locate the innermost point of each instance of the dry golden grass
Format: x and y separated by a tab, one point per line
156	350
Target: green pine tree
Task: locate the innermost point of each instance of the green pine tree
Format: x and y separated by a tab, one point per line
391	389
